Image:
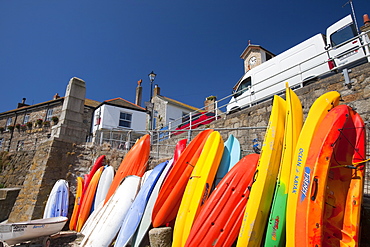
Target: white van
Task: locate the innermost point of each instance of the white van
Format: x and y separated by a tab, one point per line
314	57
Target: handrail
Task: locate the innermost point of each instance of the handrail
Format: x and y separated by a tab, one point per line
219	106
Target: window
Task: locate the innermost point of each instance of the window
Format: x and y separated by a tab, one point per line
154	122
1	142
9	121
26	118
125	120
244	86
268	56
49	114
343	35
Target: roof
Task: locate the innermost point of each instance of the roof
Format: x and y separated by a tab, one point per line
251	46
91	103
88	103
27	107
123	103
178	103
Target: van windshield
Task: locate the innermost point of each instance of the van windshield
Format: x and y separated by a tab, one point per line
244	86
343	35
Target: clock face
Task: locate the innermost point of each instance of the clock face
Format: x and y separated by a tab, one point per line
253	60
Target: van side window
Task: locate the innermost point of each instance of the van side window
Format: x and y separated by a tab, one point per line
244	86
343	35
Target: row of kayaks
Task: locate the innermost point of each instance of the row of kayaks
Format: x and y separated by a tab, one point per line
304	188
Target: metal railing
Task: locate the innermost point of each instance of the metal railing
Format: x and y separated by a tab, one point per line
220	105
117	138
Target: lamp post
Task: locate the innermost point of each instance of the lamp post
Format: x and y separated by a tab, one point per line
152	76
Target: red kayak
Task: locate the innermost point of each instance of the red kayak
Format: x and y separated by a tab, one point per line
98	163
220	218
169	197
180	146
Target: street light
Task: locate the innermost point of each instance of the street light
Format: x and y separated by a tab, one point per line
152	76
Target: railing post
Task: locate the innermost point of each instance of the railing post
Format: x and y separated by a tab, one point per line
157	144
216	107
169	129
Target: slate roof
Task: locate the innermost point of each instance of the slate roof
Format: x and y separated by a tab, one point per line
123	103
88	102
178	103
251	46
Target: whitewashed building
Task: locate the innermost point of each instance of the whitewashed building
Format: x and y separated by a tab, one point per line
118	115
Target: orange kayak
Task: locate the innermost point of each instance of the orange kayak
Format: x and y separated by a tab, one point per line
220	218
134	163
169	197
344	191
328	187
88	199
76	208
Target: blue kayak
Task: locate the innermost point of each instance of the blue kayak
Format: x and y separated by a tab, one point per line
230	157
135	213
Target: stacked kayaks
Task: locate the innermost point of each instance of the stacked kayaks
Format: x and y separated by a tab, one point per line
275	232
303	189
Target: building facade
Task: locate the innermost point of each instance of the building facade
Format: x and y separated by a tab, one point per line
167	111
25	127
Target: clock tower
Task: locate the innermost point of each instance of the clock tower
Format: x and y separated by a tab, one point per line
254	55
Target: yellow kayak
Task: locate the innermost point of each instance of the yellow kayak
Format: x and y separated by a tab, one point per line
198	187
260	198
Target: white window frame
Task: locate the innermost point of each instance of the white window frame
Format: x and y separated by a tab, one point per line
125	120
9	121
49	114
26	118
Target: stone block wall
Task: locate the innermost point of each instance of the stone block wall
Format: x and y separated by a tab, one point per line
7	200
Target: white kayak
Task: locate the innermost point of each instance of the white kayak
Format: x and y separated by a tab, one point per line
14	233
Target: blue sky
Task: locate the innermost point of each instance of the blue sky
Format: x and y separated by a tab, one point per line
194	47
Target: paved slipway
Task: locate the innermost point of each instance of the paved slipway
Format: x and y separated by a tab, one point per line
66	239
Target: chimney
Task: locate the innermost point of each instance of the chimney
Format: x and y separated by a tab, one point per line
56	96
139	93
366	26
23	103
157	90
209	104
366	20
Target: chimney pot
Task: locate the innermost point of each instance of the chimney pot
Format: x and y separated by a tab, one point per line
157	90
366	19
